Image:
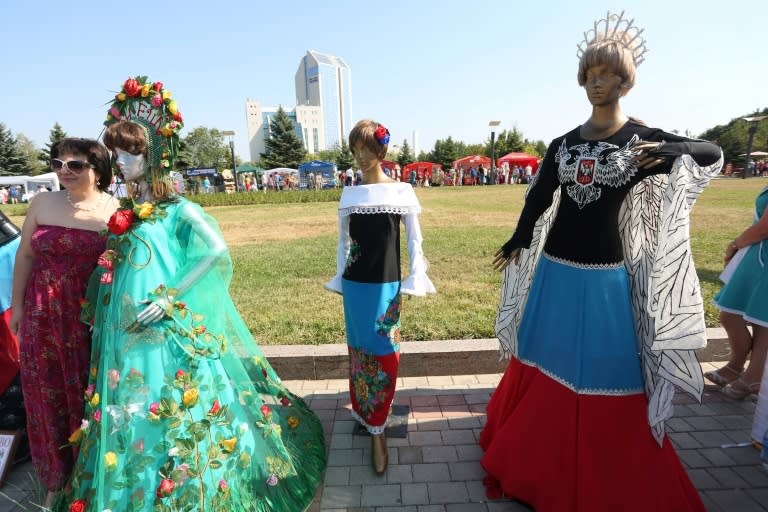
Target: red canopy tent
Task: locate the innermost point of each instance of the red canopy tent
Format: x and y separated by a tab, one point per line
519	159
472	161
422	169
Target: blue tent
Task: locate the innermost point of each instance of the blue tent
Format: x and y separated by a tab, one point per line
325	169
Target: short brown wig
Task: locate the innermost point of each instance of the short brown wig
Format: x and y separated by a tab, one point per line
364	134
96	154
612	53
127	136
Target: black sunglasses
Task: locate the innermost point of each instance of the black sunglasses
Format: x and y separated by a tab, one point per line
74	166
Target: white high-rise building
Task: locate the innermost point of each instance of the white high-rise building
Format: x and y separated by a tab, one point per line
325	81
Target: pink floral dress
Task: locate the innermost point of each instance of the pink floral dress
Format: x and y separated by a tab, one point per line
55	345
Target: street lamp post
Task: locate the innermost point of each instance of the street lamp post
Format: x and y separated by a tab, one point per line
492	170
752	130
231	135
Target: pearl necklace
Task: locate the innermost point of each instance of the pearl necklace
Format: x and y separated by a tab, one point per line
82	209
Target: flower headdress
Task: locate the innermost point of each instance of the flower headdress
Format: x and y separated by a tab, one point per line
150	106
615	27
381	134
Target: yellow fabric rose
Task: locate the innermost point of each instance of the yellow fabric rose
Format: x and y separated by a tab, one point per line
110	460
190	397
228	445
76	436
145	90
293	422
166	95
172	107
94	400
166	130
145	210
121	96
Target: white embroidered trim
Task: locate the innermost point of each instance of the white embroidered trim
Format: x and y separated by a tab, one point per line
402	210
375	430
587	266
582	391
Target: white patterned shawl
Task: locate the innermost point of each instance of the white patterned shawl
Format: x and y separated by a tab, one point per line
666	299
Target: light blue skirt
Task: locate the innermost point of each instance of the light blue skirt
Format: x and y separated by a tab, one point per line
746	293
578	328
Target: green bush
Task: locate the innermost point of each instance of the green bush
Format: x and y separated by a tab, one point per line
11	210
247	198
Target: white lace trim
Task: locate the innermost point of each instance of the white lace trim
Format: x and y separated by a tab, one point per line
401	210
375	430
582	391
588	266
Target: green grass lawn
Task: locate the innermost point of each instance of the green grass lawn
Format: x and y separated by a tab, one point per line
284	253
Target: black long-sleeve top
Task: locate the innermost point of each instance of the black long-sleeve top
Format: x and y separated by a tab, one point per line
595	177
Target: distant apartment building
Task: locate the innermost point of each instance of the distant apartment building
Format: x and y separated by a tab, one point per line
322	114
325	81
308	121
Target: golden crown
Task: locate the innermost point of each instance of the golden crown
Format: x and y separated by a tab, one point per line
617	28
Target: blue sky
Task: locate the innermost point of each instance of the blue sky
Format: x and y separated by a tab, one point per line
438	67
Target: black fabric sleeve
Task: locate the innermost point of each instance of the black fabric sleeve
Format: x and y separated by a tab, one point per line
538	199
704	153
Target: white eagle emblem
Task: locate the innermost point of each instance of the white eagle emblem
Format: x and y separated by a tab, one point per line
586	167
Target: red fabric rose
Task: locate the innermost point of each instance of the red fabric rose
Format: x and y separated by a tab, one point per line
165	488
265	410
285	402
106	260
180	374
177	117
107	277
132	87
78	506
157	86
120	221
215	408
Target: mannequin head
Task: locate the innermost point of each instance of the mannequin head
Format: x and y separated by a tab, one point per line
368	141
128	142
611	56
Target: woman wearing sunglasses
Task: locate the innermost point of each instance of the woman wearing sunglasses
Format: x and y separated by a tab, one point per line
60	244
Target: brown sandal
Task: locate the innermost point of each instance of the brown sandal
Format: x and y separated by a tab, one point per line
716	377
741	392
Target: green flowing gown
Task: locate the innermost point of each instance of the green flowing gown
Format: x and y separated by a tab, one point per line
185	414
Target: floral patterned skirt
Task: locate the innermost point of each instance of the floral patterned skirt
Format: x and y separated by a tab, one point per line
372	319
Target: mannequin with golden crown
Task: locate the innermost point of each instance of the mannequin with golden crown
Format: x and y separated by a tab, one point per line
600	307
183	412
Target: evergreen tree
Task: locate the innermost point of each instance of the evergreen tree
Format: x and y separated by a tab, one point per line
344	157
284	148
55	135
405	156
11	161
444	153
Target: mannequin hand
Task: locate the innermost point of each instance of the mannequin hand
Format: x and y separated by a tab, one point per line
155	310
503	258
645	160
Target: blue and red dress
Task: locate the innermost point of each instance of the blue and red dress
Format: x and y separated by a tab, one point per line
369	278
590	320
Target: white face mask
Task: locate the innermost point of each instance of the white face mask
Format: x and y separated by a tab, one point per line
132	166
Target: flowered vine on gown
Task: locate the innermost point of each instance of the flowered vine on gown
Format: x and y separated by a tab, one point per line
200	437
354	253
388	324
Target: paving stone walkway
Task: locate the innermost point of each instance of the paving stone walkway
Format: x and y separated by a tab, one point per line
436	468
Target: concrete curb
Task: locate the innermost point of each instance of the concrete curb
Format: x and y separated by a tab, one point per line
426	358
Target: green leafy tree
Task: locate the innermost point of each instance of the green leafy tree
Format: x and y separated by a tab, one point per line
734	137
56	134
12	162
444	153
30	152
405	156
344	158
284	148
205	147
326	155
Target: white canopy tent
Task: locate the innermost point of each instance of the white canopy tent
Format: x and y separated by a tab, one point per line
30	183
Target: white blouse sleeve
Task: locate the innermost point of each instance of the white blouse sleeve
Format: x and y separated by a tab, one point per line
417	283
342	252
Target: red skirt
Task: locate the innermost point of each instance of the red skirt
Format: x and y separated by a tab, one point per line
560	451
